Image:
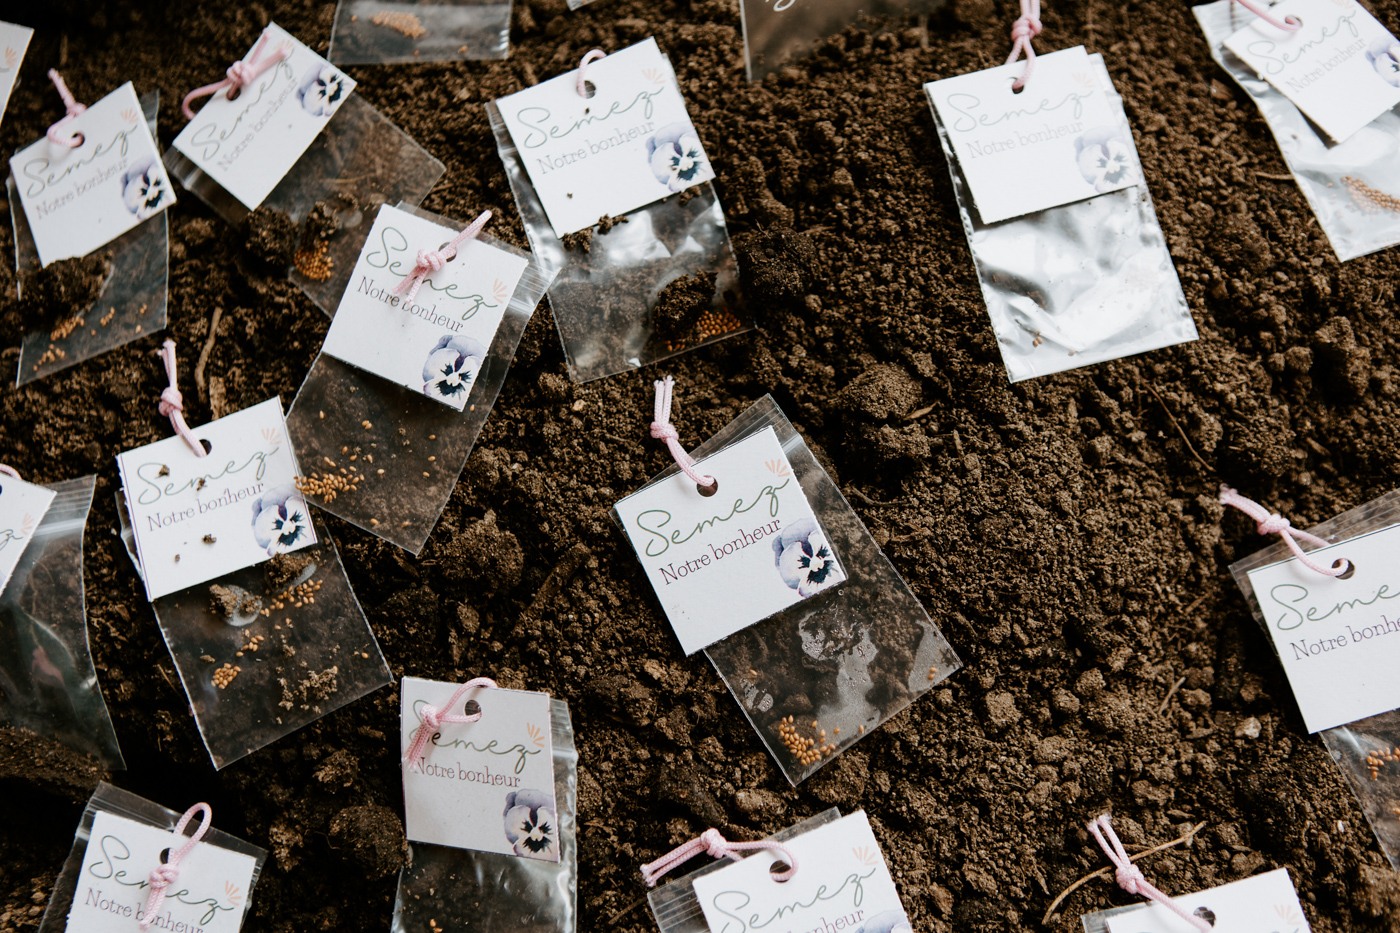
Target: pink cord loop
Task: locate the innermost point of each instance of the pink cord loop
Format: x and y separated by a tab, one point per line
662	430
172	403
1129	876
73	108
239	75
1022	32
715	846
1287	24
592	56
9	470
168	872
1272	523
433	718
433	260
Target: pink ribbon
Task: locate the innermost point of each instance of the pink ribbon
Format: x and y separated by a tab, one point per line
432	260
172	403
168	872
662	430
434	717
9	470
592	56
71	140
1022	32
1129	876
1287	24
716	846
239	75
1271	523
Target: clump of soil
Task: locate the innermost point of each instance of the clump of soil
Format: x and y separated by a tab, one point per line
308	687
581	240
775	265
270	236
59	295
233	603
282	570
371	838
680	306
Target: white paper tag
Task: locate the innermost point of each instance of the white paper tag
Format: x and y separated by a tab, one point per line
437	343
1341	67
249	143
14	42
80	199
841	883
22	508
210	896
721	563
486	785
1058	141
1264	903
198	518
630	144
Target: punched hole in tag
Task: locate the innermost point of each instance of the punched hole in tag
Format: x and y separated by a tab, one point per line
471	708
1349	572
778	868
165	855
709	490
589	90
208	447
1205	913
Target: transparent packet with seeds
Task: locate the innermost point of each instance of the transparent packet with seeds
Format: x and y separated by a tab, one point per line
1354	746
1352	187
359	161
608	287
1076	284
403	450
268	649
372	32
487	892
48	684
779	31
124	804
132	302
840	662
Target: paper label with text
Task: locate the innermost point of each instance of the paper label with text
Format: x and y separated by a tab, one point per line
198	518
22	508
14	42
249	143
78	200
486	785
1060	140
1341	67
1339	640
210	896
841	884
628	145
723	562
436	343
1266	903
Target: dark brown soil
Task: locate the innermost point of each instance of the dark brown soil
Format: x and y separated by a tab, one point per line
1061	531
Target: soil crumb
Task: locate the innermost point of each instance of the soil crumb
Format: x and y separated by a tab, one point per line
232	603
776	265
606	223
270	236
280	572
314	685
581	241
680	306
60	294
371	838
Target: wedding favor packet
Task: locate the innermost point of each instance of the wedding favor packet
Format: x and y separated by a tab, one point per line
368	32
614	191
834	660
15	42
104	883
1071	259
1265	903
1351	184
122	283
48	684
779	31
393	405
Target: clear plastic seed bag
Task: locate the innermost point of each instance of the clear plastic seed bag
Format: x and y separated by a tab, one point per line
47	681
1353	187
780	31
370	32
487	892
131	302
1080	283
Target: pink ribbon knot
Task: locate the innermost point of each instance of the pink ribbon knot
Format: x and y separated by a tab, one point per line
715	846
1129	876
433	718
72	108
433	260
168	872
663	430
172	403
238	76
1272	523
1026	28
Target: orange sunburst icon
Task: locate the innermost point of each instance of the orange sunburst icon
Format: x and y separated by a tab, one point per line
536	733
776	467
272	435
653	76
11	57
1288	913
233	893
129	115
498	289
27	525
1082	79
865	855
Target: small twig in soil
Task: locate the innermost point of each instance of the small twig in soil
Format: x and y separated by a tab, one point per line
916	415
1170	693
615	439
626	910
1272	177
869	501
204	353
1177	424
1186	837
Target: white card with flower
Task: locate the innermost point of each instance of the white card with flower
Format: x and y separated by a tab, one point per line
436	342
249	143
22	508
486	785
14	42
841	884
80	199
1266	903
628	145
210	895
722	562
1055	142
198	518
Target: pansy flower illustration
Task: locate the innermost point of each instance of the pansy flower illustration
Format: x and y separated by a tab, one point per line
281	521
1105	159
145	189
676	156
322	91
804	559
452	367
531	826
1384	56
890	921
